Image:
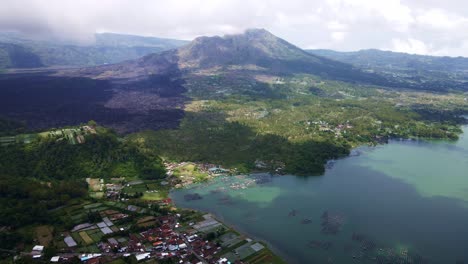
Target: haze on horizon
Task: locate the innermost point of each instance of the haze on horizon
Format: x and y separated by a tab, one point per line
413	26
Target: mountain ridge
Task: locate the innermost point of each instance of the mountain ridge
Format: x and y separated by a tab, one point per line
255	47
107	48
416	71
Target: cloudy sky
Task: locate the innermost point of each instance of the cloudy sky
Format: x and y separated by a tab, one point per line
436	27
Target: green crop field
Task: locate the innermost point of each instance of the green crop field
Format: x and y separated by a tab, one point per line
85	237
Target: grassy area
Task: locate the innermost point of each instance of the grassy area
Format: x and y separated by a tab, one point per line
95	235
85	237
151	190
190	171
160	195
264	256
44	234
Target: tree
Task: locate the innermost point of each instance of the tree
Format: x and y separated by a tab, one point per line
92	123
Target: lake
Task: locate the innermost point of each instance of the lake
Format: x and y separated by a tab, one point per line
403	202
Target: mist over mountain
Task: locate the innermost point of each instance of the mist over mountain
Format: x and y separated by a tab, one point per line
19	51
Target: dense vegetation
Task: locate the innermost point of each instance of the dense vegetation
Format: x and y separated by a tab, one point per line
208	137
48	173
26	201
102	156
297	122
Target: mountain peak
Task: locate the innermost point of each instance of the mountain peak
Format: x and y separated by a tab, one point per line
257	32
254	46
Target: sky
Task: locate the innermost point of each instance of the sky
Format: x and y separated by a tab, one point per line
433	27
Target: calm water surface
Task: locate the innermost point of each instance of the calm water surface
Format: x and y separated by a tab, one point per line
401	202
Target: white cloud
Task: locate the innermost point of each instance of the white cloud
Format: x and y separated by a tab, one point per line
407	25
440	19
336	25
393	11
338	36
412	46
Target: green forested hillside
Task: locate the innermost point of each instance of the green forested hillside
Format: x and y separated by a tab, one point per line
48	173
102	156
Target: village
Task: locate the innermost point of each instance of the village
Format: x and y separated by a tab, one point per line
135	220
323	126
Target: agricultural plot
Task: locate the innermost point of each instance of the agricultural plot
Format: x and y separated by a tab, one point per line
60	244
245	250
99	209
44	234
151	190
96	195
21	138
154	196
76	236
90	206
111	203
264	256
191	173
7	140
86	238
230	239
95	234
70	134
147	221
95	185
133	189
26	138
90	249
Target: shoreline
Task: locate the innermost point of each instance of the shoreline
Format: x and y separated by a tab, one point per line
273	249
242	232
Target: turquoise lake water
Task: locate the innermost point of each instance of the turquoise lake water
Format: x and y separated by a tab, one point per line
404	202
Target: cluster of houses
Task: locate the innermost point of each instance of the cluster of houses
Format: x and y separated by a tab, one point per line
202	167
208	169
113	190
161	241
326	127
163	238
164	242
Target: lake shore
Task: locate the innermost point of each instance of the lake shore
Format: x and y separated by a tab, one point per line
407	168
240	231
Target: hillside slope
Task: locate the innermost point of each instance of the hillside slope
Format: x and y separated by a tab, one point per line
413	71
108	48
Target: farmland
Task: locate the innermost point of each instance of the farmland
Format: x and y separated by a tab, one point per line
149	190
73	135
44	234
